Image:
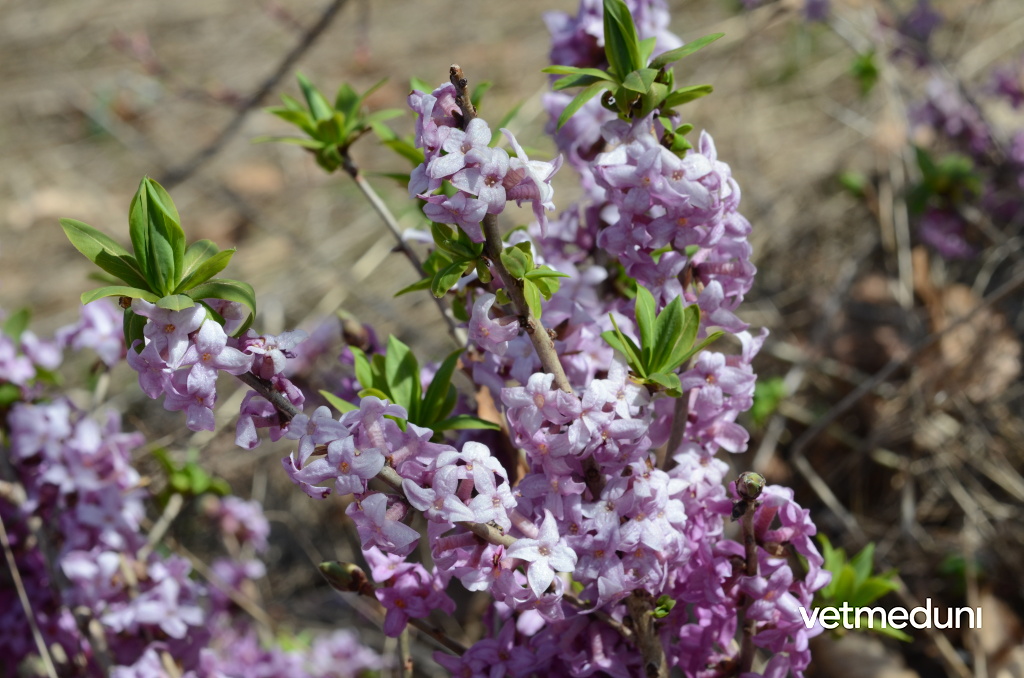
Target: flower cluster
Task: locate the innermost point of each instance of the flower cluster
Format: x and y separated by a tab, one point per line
602	494
485	176
74	510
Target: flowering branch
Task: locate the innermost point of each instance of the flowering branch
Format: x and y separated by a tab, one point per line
542	341
748	486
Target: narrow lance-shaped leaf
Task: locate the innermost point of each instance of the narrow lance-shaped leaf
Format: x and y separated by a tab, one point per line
579	100
402	374
133	325
682	349
337	403
318	105
645	323
364	373
465	421
689	48
118	291
165	239
667	335
437	392
621	44
206	270
176	302
105	252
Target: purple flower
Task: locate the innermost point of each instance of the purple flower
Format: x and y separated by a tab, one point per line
459	209
546	554
169	330
491	335
376	528
212	354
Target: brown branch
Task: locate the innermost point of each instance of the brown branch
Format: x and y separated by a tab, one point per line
283	406
639	604
176	175
542	341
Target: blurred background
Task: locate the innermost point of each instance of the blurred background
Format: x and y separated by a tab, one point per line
894	424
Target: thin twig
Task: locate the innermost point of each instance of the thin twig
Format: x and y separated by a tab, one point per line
26	604
640	611
179	174
458	333
542	342
283	406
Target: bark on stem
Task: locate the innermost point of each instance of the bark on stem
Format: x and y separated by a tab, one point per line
542	342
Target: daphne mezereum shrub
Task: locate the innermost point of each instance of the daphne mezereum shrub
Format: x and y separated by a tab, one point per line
92	587
598	330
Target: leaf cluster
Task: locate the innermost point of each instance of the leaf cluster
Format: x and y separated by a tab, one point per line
331	129
161	270
853	583
395	376
947	182
454	256
667	341
634	84
538	281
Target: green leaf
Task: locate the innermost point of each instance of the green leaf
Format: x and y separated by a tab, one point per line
479	91
294	141
573	70
159	241
571	81
446	278
207	269
196	254
647	49
871	590
640	80
689	48
415	287
118	291
105	252
668	331
364	372
685	95
625	346
229	290
579	100
621	44
681	347
516	262
337	403
316	101
668	380
300	119
645	323
132	327
545	271
862	564
465	421
402	375
437	392
712	338
532	294
176	302
17	323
